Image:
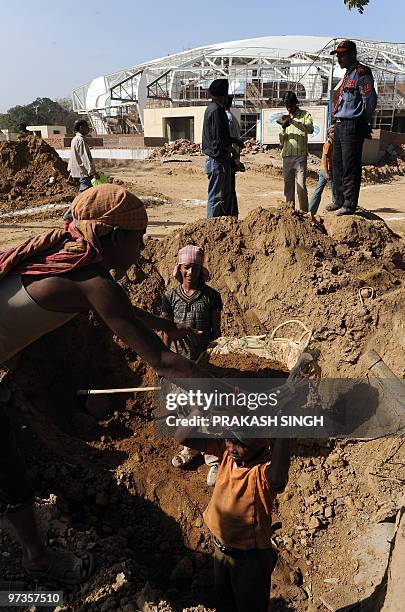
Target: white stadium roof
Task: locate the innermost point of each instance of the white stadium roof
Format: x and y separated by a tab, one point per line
303	60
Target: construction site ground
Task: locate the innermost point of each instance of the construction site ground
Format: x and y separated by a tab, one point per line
182	187
108	479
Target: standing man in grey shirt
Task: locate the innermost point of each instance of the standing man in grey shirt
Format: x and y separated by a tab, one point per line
81	165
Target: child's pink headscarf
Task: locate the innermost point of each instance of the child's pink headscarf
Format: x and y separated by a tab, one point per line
191	254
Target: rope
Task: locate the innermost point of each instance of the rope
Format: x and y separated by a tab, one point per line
307	332
366	292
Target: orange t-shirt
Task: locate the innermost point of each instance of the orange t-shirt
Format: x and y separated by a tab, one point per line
327	151
239	512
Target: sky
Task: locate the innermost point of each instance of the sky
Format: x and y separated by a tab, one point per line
50	47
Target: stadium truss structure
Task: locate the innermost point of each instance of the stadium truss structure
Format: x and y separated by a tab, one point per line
260	71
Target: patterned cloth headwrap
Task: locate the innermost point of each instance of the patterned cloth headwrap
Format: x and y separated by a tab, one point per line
191	254
96	212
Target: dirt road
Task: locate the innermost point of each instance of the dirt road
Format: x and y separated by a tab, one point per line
184	184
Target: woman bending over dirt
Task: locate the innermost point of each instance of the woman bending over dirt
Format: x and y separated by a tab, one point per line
44	283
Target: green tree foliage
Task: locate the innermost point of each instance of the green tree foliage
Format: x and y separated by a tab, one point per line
42	111
356	4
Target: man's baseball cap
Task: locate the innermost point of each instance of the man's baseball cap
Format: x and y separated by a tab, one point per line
345	46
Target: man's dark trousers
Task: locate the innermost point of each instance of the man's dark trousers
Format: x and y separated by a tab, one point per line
348	142
219	174
234	197
242	580
84	183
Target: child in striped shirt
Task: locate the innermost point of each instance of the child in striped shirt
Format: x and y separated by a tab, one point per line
194	303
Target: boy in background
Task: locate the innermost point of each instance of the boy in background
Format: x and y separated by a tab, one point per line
195	303
325	177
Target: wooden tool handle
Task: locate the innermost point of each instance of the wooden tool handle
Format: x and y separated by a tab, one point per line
107	391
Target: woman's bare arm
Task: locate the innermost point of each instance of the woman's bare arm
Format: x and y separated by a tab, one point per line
112	304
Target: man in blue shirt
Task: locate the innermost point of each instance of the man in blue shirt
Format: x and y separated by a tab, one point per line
353	113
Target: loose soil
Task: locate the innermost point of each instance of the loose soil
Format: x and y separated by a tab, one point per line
25	169
116	491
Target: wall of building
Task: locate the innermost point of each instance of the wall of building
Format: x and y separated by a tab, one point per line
375	147
112	141
156	120
47	131
387	138
7	135
136	154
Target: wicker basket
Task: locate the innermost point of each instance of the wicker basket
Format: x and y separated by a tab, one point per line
285	350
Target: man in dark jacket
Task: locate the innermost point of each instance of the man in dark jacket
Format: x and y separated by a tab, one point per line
217	144
352	113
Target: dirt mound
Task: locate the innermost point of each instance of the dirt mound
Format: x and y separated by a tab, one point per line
278	265
118	493
178	147
25	169
248	366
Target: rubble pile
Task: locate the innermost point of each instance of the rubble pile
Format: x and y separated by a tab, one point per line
178	147
252	147
391	165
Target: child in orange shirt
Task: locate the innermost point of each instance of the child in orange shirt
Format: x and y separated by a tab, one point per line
250	474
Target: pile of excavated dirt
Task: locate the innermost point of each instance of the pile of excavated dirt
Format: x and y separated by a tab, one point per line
108	487
242	365
178	147
277	265
116	491
25	169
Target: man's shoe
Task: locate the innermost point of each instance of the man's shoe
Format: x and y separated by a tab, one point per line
212	475
344	211
332	207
